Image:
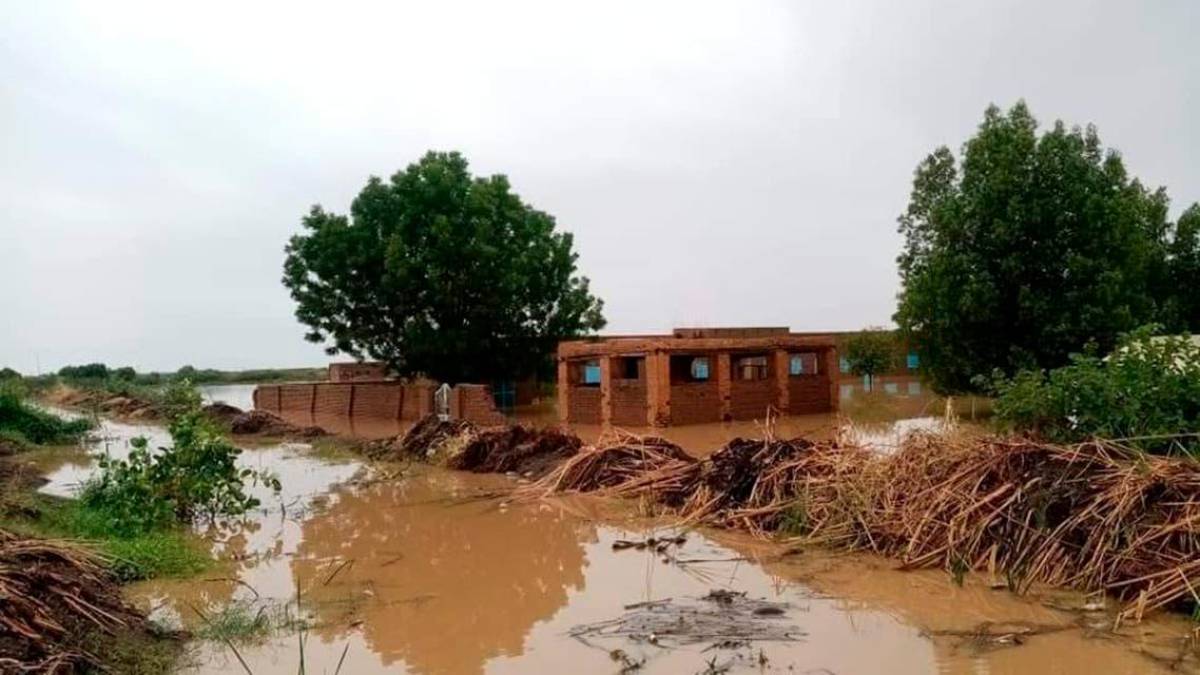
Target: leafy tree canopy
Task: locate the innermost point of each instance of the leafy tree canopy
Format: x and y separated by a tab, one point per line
440	273
90	371
1028	246
871	352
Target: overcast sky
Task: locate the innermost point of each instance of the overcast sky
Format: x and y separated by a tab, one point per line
735	163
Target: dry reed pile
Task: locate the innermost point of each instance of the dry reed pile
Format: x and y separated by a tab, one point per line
627	465
51	596
1095	516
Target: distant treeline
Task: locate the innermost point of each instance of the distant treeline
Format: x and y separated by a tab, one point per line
100	374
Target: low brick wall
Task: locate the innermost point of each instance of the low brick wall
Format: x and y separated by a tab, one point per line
629	405
695	403
749	400
809	394
474	403
584	405
377	400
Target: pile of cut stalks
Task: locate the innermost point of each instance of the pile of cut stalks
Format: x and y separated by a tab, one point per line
1097	516
52	595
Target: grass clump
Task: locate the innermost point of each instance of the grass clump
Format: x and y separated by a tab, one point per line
162	552
238	622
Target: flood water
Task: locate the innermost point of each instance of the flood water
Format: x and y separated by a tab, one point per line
423	570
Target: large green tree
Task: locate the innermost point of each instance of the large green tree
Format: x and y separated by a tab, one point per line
1028	246
440	273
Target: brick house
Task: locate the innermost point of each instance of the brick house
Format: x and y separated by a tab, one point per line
696	375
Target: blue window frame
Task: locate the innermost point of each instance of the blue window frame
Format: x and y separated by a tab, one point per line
914	361
843	364
700	368
591	372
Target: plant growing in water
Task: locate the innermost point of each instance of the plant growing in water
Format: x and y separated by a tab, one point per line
197	478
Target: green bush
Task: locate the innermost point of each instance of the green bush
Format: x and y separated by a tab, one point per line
34	425
197	478
1146	391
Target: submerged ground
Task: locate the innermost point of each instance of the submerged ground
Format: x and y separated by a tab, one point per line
424	570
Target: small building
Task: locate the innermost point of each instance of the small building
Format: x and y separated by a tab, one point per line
358	371
696	375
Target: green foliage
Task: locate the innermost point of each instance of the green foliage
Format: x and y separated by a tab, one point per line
9	374
871	352
162	552
90	371
1029	246
17	417
440	273
125	374
1146	390
197	478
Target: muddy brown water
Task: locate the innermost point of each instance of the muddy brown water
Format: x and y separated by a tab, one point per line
432	571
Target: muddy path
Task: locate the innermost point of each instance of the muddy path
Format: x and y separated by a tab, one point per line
424	570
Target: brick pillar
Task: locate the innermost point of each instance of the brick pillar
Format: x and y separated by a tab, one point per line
312	400
782	371
724	372
563	392
605	390
831	376
350	403
658	389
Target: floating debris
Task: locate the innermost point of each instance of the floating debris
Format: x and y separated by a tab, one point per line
722	618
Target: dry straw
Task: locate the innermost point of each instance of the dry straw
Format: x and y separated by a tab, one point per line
1095	516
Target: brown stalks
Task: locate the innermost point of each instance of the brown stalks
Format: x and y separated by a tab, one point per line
51	595
1095	516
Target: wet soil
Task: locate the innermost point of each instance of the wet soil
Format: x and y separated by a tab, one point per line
425	570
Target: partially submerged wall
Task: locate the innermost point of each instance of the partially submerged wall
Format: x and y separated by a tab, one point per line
376	400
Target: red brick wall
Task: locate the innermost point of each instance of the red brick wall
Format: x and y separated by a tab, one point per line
694	403
749	399
474	403
809	394
418	401
584	405
629	406
384	400
380	399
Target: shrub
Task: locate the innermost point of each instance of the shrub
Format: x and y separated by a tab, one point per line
197	478
1146	391
34	425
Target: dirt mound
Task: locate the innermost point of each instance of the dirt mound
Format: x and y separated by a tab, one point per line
55	596
262	423
521	449
222	413
114	405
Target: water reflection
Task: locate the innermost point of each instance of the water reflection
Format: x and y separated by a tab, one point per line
439	580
